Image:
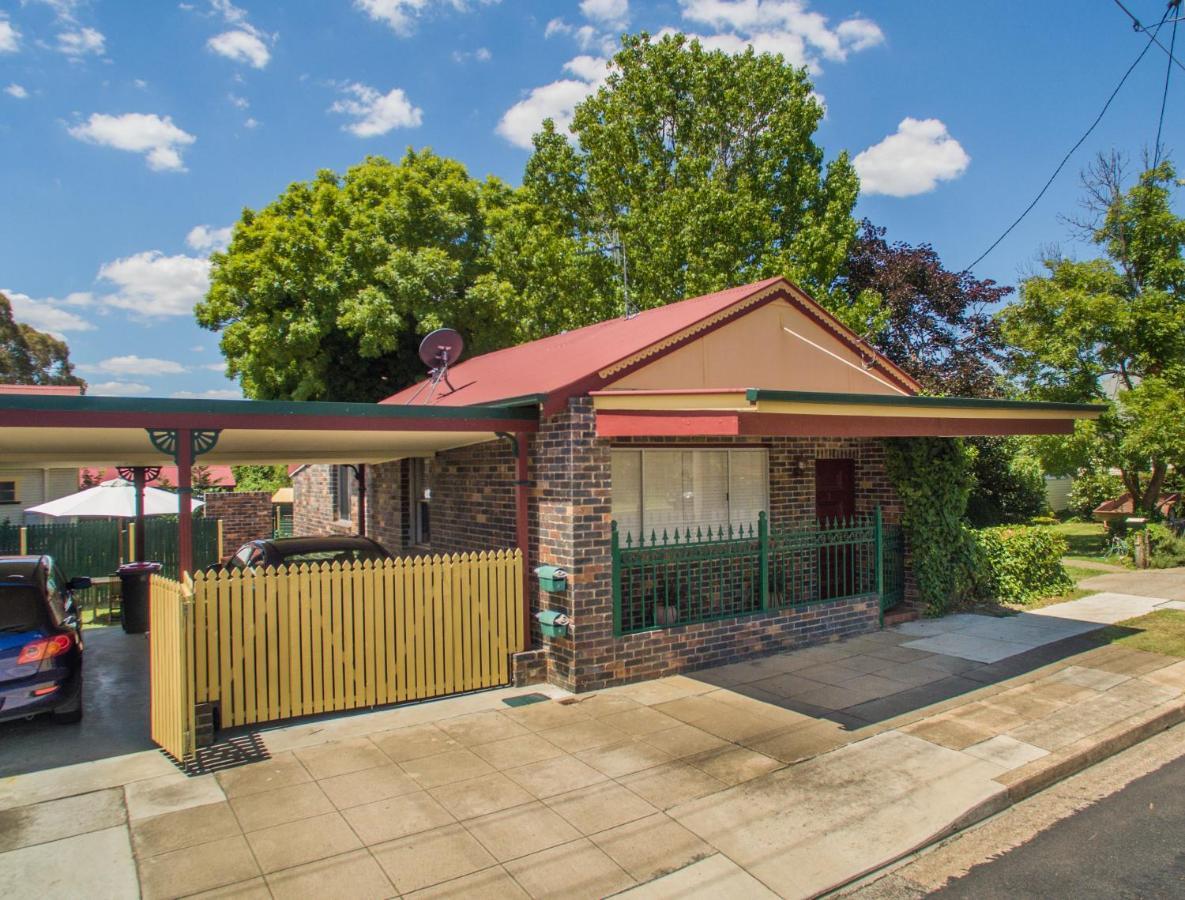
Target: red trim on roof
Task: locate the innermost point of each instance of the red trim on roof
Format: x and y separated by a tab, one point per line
55	390
567	365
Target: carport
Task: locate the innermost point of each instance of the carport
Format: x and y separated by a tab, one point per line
137	433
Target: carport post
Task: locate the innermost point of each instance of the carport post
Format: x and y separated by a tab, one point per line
360	475
138	479
184	501
521	528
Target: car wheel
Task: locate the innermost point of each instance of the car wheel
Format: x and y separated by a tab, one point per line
71	712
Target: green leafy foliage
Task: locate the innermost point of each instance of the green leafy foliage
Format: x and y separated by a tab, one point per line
1092	488
703	166
1009	483
1019	564
325	293
29	356
1109	330
261	478
933	479
1166	549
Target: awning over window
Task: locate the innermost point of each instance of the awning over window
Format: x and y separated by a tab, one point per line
753	412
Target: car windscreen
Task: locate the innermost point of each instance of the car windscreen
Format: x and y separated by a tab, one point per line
21	608
330	556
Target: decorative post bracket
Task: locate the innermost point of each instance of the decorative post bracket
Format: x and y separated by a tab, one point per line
165	440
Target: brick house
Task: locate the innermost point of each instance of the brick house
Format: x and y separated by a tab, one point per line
710	475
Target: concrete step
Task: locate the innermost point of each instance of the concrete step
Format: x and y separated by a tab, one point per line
901	614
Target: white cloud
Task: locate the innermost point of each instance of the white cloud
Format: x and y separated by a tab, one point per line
481	54
135	365
781	26
10	38
80	42
374	113
557	101
217	394
238	102
140	83
250	123
608	13
152	284
117	389
47	314
912	161
241	45
64	9
206	239
557	26
215	367
401	15
15	90
157	138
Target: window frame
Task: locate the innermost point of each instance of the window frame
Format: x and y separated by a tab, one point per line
419	502
5	498
728	451
343	493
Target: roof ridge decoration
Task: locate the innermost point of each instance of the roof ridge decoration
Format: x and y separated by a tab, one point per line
800	300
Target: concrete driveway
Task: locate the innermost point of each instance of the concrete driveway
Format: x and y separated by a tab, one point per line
115	719
1165	584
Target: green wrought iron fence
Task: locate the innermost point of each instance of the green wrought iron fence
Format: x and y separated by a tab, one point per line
160	543
893	556
682	577
679	577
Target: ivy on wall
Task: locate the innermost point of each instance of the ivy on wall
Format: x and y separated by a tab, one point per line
933	478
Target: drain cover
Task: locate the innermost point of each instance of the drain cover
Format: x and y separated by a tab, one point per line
526	699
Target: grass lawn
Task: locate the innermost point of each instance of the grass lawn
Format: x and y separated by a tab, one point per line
1162	631
1087	540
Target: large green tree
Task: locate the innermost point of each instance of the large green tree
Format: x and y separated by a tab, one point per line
700	165
325	293
29	356
1112	329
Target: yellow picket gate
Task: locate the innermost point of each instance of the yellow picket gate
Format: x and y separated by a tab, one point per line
293	641
171	670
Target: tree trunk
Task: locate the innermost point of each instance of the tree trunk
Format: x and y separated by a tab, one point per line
1152	491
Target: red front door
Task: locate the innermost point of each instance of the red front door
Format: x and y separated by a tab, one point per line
835	503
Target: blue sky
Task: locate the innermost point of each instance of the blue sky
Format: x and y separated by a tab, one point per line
132	134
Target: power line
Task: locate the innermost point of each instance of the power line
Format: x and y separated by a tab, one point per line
1137	25
1077	144
1164	99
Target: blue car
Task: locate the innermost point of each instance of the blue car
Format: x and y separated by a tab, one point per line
40	640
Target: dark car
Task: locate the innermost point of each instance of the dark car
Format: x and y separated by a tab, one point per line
40	640
296	550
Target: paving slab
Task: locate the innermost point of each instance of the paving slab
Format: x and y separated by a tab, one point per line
97	865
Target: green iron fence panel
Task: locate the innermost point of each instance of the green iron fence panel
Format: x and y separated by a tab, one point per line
715	573
686	576
160	543
894	565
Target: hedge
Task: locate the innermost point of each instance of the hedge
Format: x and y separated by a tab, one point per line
1019	564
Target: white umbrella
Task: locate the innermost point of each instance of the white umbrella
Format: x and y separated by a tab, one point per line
114	498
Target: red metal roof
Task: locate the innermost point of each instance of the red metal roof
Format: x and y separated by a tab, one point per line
567	364
57	390
219	475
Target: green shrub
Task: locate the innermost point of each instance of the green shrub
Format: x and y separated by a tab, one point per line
1092	488
1020	564
1165	548
1009	484
932	476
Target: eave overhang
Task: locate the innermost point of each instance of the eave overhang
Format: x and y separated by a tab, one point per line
754	412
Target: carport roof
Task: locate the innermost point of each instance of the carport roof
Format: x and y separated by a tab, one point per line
78	431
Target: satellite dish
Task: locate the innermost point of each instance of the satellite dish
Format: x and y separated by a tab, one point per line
437	351
442	347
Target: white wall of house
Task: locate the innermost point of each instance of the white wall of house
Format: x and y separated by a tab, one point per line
35	486
1057	491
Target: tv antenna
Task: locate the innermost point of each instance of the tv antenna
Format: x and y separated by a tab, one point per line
437	351
619	256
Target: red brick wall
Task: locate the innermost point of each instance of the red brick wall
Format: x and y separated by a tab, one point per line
313	490
571	472
246	516
472	507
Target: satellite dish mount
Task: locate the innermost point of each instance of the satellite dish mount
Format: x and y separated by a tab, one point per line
437	351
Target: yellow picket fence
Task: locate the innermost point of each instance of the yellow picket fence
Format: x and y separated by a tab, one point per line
171	671
278	643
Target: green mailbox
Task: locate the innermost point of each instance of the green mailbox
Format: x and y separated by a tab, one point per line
553	622
552	578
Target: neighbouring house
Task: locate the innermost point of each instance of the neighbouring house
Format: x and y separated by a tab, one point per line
709	476
30	485
219	478
1057	492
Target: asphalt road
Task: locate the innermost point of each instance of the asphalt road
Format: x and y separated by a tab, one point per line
1128	845
114	720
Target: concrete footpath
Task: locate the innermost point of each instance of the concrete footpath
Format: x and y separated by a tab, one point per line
789	776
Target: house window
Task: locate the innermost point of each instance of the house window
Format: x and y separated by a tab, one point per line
655	490
343	480
419	499
8	492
